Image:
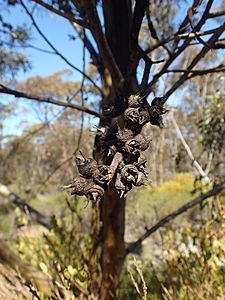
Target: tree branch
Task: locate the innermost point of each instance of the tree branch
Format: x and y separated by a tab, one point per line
197	166
103	46
153	31
65	15
139	12
133	247
217	14
178	37
18	94
182	48
93	53
16	200
185	22
219	68
148	64
205	72
208	46
134	57
55	50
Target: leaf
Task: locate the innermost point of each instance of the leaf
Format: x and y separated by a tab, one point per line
71	270
43	267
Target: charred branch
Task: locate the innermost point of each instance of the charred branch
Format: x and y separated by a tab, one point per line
54	48
67	15
18	94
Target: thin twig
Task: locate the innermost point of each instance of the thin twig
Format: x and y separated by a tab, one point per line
181	49
29	46
55	50
132	247
217	14
97	60
196	59
57	168
18	94
178	37
219	68
65	15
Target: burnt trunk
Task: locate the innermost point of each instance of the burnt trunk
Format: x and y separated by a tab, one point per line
112	208
161	156
113	251
118	163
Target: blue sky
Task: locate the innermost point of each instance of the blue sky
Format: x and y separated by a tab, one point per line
57	30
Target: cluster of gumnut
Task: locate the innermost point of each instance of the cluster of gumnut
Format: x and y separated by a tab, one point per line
122	144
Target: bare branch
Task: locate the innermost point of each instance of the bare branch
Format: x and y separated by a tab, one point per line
30	46
57	168
134	51
181	49
197	58
25	207
65	15
217	14
185	22
197	166
55	50
139	12
82	101
153	31
219	68
18	94
179	37
180	33
191	12
133	247
148	64
93	53
100	39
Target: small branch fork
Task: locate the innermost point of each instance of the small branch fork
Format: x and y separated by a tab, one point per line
89	18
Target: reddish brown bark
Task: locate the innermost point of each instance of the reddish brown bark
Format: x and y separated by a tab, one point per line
113	244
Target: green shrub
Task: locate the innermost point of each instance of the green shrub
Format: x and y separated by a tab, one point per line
191	263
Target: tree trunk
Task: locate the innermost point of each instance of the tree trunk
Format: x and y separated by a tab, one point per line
113	210
109	230
161	155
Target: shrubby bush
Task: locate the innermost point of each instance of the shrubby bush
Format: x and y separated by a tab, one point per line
192	263
189	265
61	253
